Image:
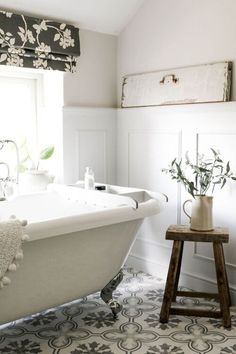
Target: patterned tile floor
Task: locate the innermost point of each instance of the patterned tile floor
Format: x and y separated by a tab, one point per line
87	326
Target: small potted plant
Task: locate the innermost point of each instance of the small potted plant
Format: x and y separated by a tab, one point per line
34	179
199	179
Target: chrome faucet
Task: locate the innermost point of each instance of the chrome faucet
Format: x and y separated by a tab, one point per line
8	171
4	181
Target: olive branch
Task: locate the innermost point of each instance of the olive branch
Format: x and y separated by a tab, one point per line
206	174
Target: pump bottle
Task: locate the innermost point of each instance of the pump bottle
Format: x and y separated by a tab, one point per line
89	178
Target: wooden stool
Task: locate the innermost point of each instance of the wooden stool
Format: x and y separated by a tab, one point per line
179	234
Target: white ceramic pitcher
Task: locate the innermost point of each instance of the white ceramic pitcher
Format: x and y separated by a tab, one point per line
35	181
201	215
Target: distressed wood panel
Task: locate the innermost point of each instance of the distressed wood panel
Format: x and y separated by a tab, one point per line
203	83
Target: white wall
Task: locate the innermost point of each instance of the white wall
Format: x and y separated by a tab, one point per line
148	140
89	139
167	34
94	85
163	35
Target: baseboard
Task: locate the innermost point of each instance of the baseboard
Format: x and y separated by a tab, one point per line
147	266
189	280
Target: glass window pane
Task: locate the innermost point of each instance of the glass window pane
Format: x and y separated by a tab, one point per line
18	116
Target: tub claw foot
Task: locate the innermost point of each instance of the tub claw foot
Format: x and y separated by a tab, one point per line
114	306
106	294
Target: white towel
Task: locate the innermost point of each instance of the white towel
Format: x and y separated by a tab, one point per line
11	238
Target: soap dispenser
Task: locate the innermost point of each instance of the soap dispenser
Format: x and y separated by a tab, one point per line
89	178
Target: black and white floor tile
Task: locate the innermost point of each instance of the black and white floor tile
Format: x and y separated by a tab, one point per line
87	326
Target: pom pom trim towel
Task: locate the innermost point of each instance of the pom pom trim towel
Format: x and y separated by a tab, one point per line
11	238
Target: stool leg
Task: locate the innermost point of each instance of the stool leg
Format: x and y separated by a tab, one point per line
178	271
226	277
222	283
171	282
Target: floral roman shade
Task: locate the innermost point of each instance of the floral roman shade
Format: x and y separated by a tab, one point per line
37	43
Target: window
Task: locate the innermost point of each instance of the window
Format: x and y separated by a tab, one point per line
18	118
18	114
31	115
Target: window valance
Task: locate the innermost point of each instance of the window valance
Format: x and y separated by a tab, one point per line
37	43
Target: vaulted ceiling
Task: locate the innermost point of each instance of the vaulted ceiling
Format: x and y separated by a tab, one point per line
108	16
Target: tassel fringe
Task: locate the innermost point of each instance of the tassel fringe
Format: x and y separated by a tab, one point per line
12	267
4	280
25	237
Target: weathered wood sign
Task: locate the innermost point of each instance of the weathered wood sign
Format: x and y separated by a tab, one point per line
195	84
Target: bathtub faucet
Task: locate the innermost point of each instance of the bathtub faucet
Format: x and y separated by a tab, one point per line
5	182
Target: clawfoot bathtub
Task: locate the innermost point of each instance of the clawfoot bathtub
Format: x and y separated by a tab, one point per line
79	241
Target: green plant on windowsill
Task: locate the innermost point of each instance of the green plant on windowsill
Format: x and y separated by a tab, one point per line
202	177
28	163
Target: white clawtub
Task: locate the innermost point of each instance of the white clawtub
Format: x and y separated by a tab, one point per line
79	241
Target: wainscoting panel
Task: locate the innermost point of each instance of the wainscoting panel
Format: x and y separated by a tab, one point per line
144	147
91	151
149	138
130	147
89	139
224	210
147	155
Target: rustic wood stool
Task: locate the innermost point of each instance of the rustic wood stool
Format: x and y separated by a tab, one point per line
179	234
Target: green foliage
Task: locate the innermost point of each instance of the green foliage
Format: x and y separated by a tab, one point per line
27	162
204	175
46	153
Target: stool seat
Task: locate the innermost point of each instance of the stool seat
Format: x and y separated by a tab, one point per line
179	234
184	233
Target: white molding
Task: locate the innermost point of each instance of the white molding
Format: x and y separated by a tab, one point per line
211	260
185	108
87	109
189	279
153	243
145	264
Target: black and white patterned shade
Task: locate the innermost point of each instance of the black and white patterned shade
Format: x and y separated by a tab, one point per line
38	43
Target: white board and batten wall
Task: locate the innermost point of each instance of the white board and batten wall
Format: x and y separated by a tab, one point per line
149	138
89	139
130	147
